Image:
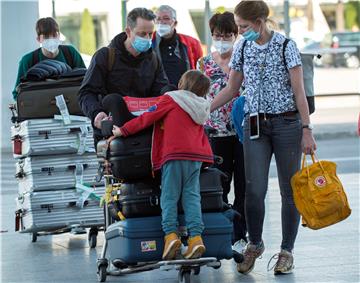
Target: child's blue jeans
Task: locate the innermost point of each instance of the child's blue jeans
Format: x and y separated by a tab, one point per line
180	179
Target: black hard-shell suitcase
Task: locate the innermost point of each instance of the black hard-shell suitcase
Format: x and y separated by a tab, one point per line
37	99
129	157
140	199
211	190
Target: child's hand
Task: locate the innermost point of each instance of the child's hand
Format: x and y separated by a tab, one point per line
116	131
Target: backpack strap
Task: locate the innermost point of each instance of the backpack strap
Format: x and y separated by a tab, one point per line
111	58
242	52
66	51
201	64
36	56
283	50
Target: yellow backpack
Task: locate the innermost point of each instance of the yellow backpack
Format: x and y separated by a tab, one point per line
319	195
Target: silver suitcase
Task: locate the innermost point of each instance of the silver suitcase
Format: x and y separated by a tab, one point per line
54	210
40	173
52	136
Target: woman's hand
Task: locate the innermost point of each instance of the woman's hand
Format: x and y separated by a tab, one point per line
308	143
116	131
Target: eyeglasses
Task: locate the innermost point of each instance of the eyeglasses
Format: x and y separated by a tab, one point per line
218	36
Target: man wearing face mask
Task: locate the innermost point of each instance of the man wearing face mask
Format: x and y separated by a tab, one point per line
48	34
133	71
225	143
178	52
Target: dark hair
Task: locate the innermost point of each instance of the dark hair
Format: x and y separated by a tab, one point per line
196	82
252	10
139	13
224	23
47	27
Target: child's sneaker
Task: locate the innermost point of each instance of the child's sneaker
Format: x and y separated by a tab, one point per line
252	252
195	248
172	246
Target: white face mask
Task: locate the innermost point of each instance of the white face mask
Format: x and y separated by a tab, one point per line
51	44
163	30
222	46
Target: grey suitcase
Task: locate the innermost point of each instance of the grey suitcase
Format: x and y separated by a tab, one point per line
52	136
39	173
54	210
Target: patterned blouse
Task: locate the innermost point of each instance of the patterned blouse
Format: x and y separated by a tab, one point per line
220	119
273	90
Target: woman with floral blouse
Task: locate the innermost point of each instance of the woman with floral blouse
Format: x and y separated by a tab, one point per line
225	143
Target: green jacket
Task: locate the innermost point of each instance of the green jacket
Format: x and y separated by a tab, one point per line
27	60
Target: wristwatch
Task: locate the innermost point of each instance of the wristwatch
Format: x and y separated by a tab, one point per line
308	126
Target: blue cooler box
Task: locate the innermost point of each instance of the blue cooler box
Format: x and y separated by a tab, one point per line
142	239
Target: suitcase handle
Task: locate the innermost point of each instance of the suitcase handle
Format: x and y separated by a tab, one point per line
74	130
53	101
154	201
73	167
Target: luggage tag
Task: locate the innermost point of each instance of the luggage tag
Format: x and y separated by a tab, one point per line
79	171
82	139
61	104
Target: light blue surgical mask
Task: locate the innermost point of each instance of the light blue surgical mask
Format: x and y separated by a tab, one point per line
141	44
251	35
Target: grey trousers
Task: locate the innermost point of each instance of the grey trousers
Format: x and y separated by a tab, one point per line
280	136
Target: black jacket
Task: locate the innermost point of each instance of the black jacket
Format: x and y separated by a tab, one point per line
141	76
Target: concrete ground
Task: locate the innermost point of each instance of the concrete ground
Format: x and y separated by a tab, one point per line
327	255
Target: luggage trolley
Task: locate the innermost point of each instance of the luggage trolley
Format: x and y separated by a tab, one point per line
134	245
56	166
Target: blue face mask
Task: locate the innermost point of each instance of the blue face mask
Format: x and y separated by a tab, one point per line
141	44
251	35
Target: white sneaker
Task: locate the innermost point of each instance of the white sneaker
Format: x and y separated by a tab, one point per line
238	250
239	246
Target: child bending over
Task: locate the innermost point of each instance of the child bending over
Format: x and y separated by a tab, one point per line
179	147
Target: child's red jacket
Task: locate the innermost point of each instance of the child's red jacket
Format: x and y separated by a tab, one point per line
176	135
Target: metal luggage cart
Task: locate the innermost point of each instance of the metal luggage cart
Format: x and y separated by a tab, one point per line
114	267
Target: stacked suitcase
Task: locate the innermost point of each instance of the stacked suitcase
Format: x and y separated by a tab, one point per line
56	169
139	238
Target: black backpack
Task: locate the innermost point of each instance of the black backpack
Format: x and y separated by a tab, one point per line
65	50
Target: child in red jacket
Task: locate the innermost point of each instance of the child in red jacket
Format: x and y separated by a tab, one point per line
179	147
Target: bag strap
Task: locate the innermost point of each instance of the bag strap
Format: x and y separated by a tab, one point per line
242	52
201	64
67	54
111	58
35	56
283	50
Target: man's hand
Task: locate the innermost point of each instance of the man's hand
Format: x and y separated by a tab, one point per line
116	131
99	117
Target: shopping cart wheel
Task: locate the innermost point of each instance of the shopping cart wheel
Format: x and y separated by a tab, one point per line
34	237
102	264
102	272
92	237
184	275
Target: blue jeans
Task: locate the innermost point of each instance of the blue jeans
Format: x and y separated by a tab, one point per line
280	136
180	179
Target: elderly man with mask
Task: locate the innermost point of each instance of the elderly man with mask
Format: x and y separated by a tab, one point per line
134	70
178	52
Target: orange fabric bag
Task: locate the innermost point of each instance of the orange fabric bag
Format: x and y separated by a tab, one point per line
319	195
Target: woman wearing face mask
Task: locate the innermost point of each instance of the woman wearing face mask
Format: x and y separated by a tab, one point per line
276	103
48	34
225	143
